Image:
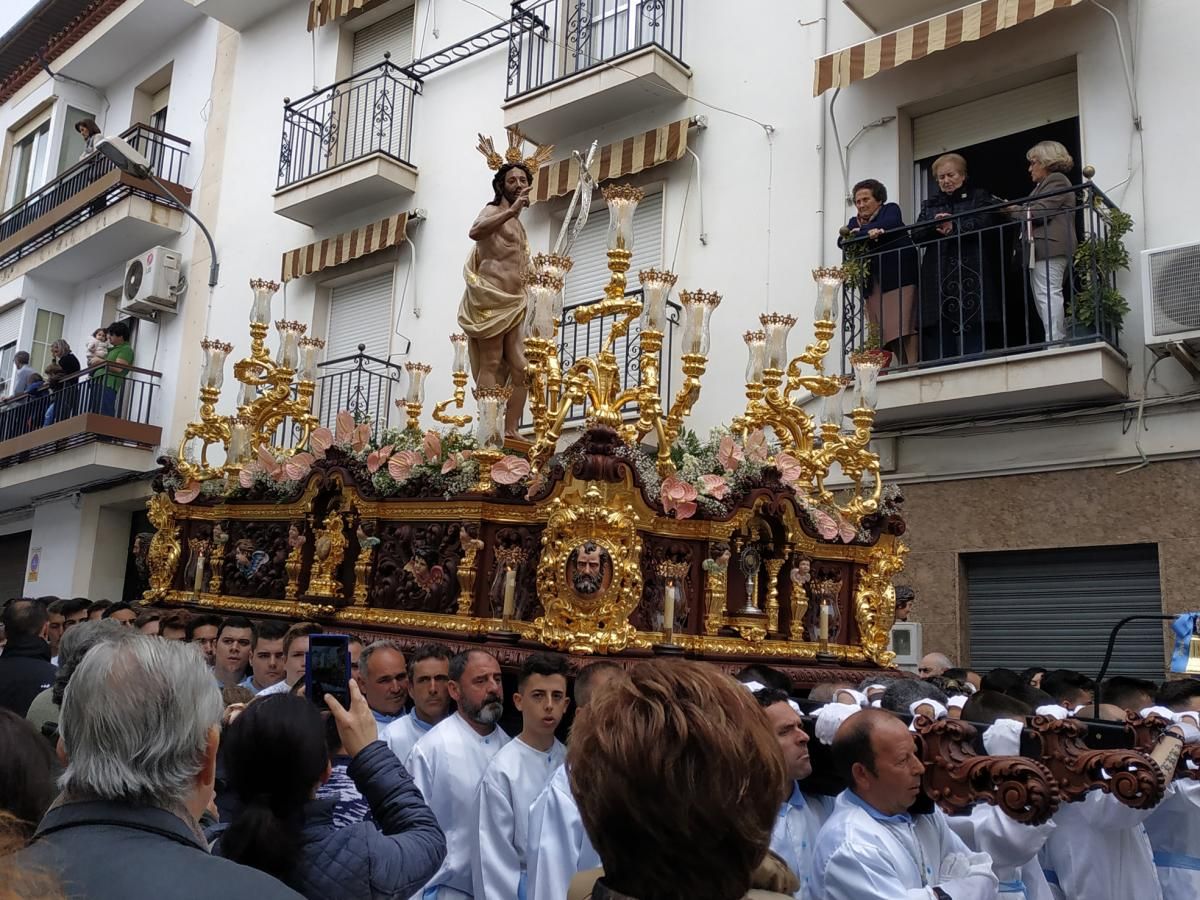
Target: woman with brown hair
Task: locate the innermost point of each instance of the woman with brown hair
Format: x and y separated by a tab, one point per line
679	778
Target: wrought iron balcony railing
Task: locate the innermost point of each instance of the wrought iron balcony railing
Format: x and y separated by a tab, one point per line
576	35
48	212
974	292
368	112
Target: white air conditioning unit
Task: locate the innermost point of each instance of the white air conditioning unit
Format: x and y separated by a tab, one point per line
152	283
1171	296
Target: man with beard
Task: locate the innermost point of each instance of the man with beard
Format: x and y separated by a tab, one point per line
492	310
802	815
448	763
588	576
516	776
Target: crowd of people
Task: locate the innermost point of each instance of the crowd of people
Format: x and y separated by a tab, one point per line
957	282
181	755
37	399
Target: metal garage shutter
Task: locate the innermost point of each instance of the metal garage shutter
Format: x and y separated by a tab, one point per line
1055	608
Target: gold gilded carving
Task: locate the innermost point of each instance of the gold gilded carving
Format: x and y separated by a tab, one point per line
875	601
163	556
295	560
216	558
716	588
330	550
367	542
596	622
752	628
798	579
467	570
773	567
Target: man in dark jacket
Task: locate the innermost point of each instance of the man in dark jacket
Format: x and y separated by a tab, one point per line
139	731
25	669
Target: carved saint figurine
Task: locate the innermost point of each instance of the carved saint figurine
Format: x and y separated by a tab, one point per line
716	573
330	550
296	541
799	576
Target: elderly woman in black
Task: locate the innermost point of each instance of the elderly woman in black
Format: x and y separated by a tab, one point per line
876	234
962	298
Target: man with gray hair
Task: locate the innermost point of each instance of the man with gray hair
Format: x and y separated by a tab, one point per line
383	675
139	728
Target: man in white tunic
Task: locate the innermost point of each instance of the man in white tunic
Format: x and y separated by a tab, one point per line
1174	827
516	776
872	848
448	763
801	816
429	675
558	845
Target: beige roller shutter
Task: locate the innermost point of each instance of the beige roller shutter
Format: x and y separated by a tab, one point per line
391	35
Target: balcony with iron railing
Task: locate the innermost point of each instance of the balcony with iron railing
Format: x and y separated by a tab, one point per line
975	305
84	427
111	215
591	61
347	145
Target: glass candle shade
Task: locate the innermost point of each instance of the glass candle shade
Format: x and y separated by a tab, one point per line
656	288
239	439
777	327
489	420
260	307
622	201
290	333
212	375
247	394
829	290
543	293
698	308
458	342
756	347
417	373
866	380
310	354
552	264
833	407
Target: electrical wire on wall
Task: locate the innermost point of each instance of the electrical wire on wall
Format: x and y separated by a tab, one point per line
408	270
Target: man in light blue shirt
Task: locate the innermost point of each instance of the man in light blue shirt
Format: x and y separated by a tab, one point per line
429	674
24	371
383	673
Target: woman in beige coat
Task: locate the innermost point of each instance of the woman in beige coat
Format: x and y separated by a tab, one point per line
1048	236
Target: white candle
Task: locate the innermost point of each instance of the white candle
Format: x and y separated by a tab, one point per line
669	610
823	624
199	580
510	591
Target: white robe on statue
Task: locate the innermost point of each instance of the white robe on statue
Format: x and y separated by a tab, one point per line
794	837
402	735
863	854
513	780
1099	851
1013	847
1174	832
558	846
447	765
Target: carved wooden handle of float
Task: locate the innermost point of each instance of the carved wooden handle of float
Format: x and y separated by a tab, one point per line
1128	775
1146	733
956	777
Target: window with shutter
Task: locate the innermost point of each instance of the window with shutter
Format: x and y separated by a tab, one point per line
376	109
359	313
391	35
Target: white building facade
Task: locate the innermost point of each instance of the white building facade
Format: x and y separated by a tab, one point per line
301	134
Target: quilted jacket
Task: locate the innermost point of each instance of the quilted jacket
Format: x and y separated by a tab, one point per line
394	856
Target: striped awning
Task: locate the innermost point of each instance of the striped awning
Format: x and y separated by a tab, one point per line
970	23
341	248
643	151
321	12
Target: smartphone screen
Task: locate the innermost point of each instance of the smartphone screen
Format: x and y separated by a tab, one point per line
328	669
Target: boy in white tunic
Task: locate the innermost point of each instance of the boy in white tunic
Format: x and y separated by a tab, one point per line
558	846
429	675
871	848
516	776
448	764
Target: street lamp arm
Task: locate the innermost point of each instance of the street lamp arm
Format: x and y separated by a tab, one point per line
214	267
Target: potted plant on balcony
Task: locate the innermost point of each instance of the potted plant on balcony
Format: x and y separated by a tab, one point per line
1098	259
870	351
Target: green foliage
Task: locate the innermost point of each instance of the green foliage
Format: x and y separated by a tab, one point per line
1097	260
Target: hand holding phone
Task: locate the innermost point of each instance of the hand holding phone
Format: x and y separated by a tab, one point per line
356	726
327	668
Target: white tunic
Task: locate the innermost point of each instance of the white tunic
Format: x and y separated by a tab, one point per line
513	780
864	855
794	836
1099	851
1174	832
558	846
1013	847
447	765
402	735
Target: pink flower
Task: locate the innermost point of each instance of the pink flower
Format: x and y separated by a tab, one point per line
432	446
509	470
714	485
298	466
269	464
320	440
729	454
790	468
756	446
831	528
454	460
360	437
377	458
678	496
248	474
536	483
401	465
188	492
345	426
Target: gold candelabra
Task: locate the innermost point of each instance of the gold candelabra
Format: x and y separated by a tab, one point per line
596	380
489	432
272	392
414	397
459	378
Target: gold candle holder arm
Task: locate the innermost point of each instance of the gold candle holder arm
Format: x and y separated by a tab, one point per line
457	402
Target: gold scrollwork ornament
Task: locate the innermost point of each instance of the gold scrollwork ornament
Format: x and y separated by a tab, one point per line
599	623
875	601
163	555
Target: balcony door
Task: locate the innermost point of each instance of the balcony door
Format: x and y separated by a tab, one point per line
375	108
605	29
359	313
27	165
